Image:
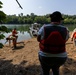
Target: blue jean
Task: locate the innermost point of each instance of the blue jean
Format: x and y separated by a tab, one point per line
53	63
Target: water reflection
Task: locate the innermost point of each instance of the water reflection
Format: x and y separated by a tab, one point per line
21	36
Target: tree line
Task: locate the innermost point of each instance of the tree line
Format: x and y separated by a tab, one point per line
32	18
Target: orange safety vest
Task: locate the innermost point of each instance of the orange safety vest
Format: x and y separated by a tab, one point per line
54	40
74	35
14	32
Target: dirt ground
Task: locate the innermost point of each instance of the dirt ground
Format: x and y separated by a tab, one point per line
24	59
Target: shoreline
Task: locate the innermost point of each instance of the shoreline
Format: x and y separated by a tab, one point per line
24	60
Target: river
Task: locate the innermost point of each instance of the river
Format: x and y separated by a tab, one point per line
22	35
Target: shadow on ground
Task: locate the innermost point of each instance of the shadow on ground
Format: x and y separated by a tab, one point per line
18	47
7	68
69	67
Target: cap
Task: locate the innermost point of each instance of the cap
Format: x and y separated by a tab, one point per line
56	15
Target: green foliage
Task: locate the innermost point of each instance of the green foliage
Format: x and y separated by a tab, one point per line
2	28
2	36
1	45
32	18
2	16
1	4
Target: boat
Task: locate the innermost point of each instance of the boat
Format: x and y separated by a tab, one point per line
34	29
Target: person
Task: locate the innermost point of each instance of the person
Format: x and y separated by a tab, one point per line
73	36
14	34
52	39
9	38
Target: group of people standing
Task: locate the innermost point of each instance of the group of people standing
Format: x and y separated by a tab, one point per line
52	40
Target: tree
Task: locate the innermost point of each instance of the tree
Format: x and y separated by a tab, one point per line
2	28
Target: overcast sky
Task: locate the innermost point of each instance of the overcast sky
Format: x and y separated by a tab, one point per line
39	7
